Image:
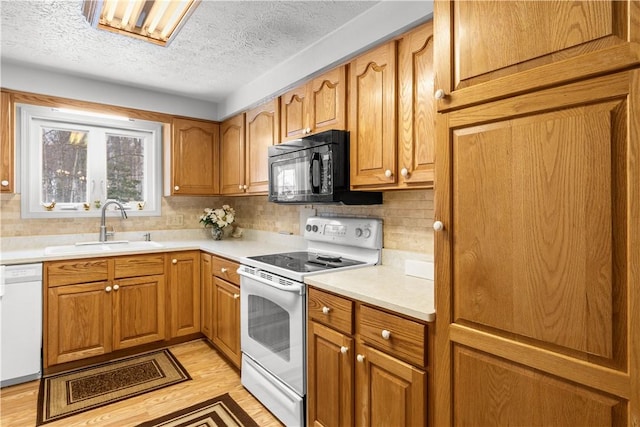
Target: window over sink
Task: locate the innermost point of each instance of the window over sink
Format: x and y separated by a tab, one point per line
71	162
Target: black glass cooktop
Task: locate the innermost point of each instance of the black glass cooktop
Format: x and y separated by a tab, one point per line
304	262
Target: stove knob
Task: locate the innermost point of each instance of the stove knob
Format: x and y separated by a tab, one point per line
308	227
367	233
358	232
315	228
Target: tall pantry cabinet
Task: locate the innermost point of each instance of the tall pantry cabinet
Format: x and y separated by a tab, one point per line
537	213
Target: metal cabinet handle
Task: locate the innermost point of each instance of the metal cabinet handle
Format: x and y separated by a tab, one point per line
176	188
174	261
385	334
236	296
344	350
360	358
326	310
223	270
107	289
116	287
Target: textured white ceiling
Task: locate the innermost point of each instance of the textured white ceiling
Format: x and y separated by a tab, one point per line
223	46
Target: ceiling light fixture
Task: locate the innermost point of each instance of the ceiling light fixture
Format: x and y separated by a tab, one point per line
156	21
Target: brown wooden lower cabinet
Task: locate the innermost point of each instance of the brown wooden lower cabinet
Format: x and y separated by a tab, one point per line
330	377
138	317
226	319
123	307
221	305
206	298
96	306
184	279
389	392
353	380
78	322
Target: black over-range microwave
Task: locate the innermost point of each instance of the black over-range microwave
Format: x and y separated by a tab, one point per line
315	169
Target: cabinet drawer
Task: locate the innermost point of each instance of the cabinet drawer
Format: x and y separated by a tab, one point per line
75	272
331	310
225	269
405	339
139	265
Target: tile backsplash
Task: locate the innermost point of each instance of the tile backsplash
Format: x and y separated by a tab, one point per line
407	216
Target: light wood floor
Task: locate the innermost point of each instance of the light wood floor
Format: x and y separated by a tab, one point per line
211	376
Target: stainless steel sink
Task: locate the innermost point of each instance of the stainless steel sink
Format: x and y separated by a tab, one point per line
101	247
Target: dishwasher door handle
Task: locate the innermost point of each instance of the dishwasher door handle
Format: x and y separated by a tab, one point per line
2	281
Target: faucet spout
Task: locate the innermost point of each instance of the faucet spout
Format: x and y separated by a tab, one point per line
103	219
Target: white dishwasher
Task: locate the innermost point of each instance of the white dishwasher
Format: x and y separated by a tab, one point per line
20	323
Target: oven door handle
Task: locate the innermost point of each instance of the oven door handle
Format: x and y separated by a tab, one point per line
299	290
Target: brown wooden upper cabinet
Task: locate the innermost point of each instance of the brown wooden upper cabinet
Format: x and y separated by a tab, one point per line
194	157
232	155
372	117
316	106
6	144
416	109
390	151
262	131
553	43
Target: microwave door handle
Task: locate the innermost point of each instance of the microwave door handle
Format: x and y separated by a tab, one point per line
315	173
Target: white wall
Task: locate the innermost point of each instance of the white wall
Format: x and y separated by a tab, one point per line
45	82
379	23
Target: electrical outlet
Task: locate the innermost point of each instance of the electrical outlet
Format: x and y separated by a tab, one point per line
175	220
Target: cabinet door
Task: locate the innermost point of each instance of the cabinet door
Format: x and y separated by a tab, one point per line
263	130
78	322
389	392
138	311
416	108
330	377
7	142
536	263
534	399
232	154
372	117
294	113
194	157
185	293
226	315
490	49
328	101
206	290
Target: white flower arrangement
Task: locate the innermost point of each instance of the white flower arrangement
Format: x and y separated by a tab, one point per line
218	218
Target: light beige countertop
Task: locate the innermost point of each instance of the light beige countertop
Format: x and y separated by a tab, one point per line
21	251
386	285
383	286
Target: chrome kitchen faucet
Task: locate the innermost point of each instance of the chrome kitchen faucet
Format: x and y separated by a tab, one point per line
103	227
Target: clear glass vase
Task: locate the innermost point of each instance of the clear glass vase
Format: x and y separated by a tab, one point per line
217	233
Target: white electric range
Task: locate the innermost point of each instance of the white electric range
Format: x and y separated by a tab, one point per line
273	307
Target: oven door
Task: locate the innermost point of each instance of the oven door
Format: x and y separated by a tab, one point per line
272	327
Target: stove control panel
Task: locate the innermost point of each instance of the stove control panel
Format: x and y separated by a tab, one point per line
359	232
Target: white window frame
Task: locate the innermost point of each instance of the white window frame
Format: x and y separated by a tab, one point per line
30	153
